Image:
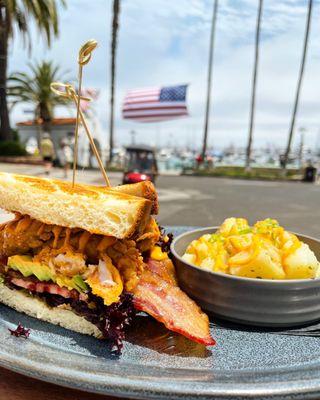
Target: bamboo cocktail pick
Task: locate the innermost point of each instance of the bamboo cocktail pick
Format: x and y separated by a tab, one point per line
83	59
70	92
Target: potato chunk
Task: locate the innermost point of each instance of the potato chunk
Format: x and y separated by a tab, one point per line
301	264
264	264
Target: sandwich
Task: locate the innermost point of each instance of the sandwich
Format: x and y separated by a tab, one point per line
88	258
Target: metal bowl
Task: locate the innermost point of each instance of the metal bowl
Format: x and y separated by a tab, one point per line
261	302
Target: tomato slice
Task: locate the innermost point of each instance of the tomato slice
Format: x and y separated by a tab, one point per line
44	287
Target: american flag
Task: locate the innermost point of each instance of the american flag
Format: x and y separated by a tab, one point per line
155	103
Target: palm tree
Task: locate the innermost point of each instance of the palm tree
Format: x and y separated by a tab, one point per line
297	96
115	26
211	52
254	83
35	88
16	16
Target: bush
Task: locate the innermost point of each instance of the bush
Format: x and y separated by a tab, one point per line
240	172
12	148
15	135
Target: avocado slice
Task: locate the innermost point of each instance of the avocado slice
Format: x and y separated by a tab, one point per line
80	283
28	267
75	282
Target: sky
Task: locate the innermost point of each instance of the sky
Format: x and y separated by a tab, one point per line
164	42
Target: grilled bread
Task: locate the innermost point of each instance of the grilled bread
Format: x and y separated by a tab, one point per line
96	209
144	189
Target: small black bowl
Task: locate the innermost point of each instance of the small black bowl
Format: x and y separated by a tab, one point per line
261	302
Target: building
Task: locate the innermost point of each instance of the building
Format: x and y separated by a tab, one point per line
61	128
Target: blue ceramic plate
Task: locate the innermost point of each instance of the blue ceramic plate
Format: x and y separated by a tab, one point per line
156	363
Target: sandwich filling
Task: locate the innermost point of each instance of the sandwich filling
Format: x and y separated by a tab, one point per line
91	274
100	278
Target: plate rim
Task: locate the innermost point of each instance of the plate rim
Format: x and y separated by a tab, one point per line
133	389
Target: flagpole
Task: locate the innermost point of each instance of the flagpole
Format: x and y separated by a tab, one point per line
115	27
297	95
254	84
209	80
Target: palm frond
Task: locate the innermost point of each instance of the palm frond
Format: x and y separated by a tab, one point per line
34	87
43	12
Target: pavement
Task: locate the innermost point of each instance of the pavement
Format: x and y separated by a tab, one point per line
206	201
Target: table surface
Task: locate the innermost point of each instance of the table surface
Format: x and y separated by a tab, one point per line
18	387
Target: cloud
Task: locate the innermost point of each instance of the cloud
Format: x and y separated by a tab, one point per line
162	42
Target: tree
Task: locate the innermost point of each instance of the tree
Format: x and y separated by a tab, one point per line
297	95
115	27
35	88
254	84
16	16
211	52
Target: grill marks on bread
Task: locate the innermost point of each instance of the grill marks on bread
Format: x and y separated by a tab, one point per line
98	210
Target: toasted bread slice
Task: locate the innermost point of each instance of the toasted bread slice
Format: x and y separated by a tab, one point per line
34	307
144	189
96	209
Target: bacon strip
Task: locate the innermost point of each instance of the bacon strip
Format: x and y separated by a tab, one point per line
158	295
164	269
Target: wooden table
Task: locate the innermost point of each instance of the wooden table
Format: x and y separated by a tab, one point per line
18	387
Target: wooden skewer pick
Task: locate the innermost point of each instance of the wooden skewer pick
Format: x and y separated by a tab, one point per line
68	91
83	59
93	146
